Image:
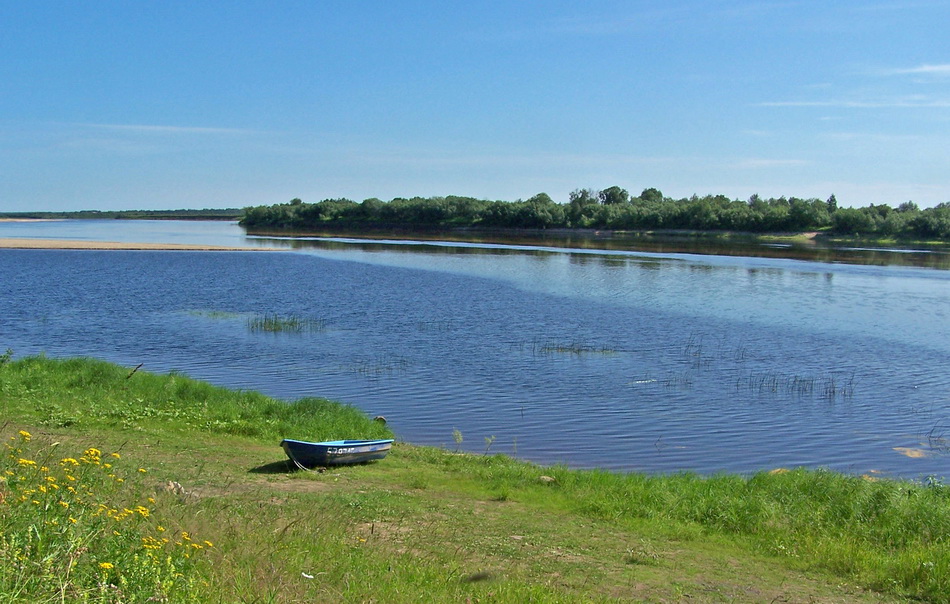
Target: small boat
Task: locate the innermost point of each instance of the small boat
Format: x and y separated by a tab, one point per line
334	452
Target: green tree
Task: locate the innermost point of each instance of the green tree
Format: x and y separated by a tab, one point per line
614	195
651	195
832	204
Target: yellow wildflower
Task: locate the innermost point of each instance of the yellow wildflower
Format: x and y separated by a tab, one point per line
116	455
160	528
64	504
143	470
69	461
106	565
26	462
209	544
44	469
26	436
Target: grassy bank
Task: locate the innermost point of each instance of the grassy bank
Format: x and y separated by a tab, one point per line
198	504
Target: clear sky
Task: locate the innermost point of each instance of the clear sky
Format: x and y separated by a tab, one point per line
206	104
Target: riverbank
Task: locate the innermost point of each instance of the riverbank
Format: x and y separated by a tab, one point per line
425	523
70	244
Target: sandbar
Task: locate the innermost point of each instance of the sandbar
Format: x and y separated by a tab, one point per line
69	244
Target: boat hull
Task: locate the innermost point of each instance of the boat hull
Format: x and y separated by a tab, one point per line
334	453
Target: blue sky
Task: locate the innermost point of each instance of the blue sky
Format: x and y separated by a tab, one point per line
161	105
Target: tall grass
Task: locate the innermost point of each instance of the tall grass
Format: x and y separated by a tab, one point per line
87	393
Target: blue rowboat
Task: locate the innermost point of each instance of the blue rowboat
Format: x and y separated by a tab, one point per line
334	452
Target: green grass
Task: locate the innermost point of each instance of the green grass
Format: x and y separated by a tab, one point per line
86	393
425	524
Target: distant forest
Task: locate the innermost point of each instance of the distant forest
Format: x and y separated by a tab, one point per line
210	214
612	208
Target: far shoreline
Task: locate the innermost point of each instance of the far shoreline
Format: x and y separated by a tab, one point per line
69	244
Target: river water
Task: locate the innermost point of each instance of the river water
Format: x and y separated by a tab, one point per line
622	359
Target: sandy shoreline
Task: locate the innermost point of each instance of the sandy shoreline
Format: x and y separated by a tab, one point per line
67	244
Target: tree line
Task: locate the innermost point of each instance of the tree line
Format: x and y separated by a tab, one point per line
612	208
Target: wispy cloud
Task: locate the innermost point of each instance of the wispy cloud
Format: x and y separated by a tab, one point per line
942	69
903	103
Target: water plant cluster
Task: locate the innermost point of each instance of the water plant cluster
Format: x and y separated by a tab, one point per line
825	386
611	208
73	528
285	324
573	347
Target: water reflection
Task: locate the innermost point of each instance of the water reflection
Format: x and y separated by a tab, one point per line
813	251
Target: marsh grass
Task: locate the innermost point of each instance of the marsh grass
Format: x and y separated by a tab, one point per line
285	324
829	386
549	347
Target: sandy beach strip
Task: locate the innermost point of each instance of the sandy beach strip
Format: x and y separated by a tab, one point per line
68	244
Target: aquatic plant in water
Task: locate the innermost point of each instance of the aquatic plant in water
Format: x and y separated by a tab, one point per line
281	324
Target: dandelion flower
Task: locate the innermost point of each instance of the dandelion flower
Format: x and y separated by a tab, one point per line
106	565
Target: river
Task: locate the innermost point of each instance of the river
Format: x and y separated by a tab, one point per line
625	359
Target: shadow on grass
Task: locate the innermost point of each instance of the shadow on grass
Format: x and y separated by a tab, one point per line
276	467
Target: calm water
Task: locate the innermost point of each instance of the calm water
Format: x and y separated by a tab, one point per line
632	360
